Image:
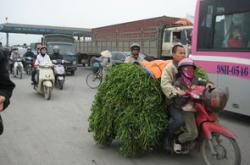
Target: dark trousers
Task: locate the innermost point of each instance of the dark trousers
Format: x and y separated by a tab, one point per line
33	74
176	119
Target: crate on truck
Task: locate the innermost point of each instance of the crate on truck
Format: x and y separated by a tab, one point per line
155	36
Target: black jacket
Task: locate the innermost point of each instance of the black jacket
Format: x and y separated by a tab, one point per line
29	54
56	56
6	85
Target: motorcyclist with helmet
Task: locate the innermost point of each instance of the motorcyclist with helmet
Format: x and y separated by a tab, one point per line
134	57
29	53
13	57
186	79
56	53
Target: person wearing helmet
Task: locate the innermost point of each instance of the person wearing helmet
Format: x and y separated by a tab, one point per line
13	57
29	53
56	53
134	57
42	58
186	79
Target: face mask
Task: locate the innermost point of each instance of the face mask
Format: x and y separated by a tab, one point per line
43	54
188	72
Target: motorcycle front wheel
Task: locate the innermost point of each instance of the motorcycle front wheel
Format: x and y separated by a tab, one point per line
19	73
47	93
221	150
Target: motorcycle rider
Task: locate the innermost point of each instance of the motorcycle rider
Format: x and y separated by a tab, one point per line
42	58
134	57
13	57
167	84
56	53
186	79
38	47
29	53
56	56
6	86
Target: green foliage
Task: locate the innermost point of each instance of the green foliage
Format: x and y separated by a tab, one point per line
129	107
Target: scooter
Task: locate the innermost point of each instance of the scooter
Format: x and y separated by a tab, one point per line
28	65
45	80
218	144
18	68
60	73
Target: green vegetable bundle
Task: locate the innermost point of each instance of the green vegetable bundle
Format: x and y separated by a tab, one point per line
129	107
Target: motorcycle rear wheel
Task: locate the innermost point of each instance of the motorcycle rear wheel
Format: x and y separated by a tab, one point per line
60	84
222	154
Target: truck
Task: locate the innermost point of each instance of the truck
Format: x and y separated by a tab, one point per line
67	49
156	37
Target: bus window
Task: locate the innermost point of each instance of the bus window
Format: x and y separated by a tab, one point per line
232	31
224	27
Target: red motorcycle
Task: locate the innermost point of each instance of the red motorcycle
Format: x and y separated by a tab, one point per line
217	144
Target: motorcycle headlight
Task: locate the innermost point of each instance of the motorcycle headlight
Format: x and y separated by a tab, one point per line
195	96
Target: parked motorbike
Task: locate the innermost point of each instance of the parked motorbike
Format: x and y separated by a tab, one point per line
217	144
18	68
28	65
60	73
45	80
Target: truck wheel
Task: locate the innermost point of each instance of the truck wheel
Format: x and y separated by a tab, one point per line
72	73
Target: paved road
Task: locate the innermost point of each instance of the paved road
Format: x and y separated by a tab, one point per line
40	132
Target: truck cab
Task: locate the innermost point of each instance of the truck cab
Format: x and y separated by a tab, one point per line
67	50
176	35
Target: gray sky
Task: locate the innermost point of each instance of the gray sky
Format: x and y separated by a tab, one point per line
86	13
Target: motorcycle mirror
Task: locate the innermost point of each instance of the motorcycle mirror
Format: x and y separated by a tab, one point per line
210	89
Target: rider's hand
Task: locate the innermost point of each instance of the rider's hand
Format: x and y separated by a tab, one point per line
181	93
2	100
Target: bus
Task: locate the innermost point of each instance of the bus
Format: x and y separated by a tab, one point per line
221	46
